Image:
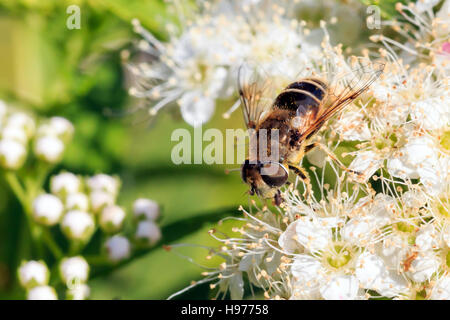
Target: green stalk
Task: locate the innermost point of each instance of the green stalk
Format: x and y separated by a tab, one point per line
51	244
21	195
25	196
16	187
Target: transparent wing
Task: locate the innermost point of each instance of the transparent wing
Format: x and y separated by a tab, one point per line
304	119
345	87
257	93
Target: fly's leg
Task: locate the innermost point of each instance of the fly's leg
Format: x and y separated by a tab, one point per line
302	174
277	199
332	157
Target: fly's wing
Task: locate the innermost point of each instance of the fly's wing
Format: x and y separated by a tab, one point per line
256	92
345	87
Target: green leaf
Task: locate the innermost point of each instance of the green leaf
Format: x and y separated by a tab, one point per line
151	13
387	7
172	233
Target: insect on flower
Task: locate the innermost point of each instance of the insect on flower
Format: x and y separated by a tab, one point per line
296	115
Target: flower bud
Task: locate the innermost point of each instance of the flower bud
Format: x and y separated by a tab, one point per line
148	232
42	293
78	291
104	182
49	149
62	127
23	121
77	201
100	199
15	133
146	208
77	225
33	273
111	218
65	183
118	248
58	127
74	270
47	209
12	154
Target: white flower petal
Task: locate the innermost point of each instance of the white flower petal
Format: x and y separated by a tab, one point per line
372	273
427	238
393	250
423	267
250	260
367	163
306	268
341	288
195	108
352	127
287	240
434	175
441	290
446	234
431	114
236	286
312	235
359	230
417	153
308	274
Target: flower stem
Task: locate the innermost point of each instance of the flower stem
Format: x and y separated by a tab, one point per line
16	186
24	195
21	194
51	244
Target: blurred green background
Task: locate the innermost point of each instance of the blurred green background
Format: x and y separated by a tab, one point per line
78	74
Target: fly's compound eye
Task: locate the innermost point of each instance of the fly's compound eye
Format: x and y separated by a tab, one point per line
274	174
246	169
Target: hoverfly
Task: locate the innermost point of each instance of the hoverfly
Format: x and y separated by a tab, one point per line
297	113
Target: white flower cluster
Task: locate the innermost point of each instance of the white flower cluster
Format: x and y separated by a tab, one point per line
19	135
363	244
385	232
348	243
405	127
199	64
426	33
80	205
34	277
147	211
